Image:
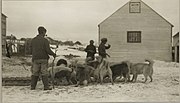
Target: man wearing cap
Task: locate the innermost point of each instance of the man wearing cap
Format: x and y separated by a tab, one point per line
91	50
102	48
40	56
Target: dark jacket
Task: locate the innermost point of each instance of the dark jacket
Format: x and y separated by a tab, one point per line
91	51
40	48
102	50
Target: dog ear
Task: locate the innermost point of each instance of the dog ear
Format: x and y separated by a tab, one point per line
73	62
96	57
149	60
76	61
99	57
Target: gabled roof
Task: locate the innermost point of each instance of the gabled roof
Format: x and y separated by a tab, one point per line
3	15
143	3
158	14
176	35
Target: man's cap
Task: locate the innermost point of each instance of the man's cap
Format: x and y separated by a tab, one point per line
41	28
104	39
91	41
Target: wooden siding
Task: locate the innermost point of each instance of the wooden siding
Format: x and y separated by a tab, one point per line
155	35
176	39
176	47
3	33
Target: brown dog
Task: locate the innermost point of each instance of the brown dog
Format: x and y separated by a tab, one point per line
103	69
142	68
61	70
83	72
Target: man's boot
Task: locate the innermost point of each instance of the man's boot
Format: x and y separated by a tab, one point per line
34	80
46	83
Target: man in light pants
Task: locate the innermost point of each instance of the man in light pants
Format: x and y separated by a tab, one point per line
40	56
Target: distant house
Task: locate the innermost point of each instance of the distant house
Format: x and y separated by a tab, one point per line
176	47
3	33
135	32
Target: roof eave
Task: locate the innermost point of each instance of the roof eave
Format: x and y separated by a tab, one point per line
146	5
4	15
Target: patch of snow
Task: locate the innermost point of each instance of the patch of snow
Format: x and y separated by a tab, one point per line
164	88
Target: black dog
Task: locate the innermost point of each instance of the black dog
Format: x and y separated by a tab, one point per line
120	70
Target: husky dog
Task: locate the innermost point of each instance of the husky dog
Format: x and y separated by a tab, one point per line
103	69
142	68
120	69
83	73
61	70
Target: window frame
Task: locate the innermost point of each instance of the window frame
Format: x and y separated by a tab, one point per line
130	7
138	41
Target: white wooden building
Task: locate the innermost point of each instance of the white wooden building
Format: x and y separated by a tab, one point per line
135	32
176	47
3	33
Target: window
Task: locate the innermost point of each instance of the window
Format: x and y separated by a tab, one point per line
134	36
134	7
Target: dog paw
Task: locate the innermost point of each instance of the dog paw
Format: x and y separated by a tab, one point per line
133	81
76	85
123	82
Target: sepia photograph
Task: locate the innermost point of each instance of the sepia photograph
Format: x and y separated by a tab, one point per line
89	51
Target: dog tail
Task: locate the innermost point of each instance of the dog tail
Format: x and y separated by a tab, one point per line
151	62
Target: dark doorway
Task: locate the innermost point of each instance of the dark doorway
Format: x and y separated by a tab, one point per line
173	54
177	54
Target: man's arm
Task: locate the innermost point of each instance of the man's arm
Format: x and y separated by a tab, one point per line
86	49
48	50
30	47
107	47
95	50
101	50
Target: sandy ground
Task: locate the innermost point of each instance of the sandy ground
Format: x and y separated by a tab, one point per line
164	88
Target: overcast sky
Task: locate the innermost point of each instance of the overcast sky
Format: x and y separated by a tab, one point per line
72	19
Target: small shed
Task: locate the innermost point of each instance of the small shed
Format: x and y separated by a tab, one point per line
135	32
176	47
3	33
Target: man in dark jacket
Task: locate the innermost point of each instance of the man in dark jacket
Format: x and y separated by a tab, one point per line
40	55
102	48
91	50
